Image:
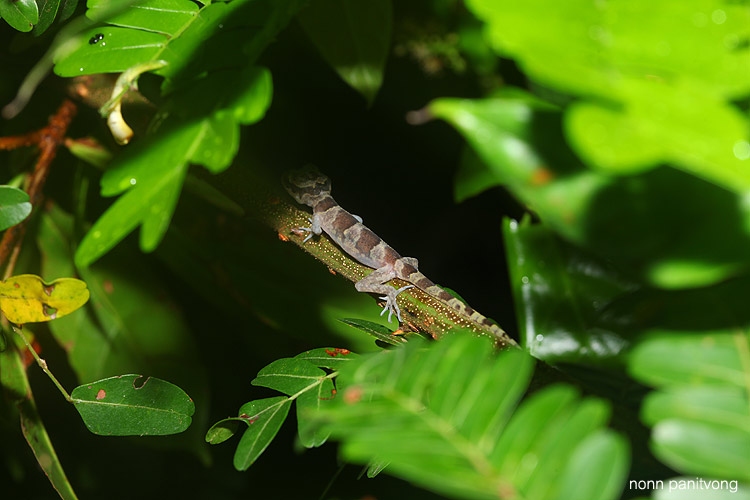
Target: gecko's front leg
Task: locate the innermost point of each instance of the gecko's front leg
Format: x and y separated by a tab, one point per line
375	282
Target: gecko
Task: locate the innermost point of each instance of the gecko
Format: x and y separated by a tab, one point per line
308	186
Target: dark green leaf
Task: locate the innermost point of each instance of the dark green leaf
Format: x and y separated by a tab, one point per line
133	405
353	37
48	10
20	14
562	295
264	418
14	206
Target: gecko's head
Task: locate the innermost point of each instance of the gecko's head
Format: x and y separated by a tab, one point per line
306	184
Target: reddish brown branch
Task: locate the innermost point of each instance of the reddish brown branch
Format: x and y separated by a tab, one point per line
48	140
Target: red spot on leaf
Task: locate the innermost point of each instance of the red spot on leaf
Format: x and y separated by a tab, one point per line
108	286
337	352
16	285
48	289
101	394
283	237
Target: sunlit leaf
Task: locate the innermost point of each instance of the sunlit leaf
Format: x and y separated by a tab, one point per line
647	224
699	414
133	405
659	79
27	299
439	406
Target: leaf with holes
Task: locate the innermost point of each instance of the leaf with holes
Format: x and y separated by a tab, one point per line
27	299
133	405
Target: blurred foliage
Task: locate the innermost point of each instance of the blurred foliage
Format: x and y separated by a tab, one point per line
599	152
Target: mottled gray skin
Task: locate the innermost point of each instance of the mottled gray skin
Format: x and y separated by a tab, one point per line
310	187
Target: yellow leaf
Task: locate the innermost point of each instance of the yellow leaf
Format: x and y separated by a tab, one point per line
28	299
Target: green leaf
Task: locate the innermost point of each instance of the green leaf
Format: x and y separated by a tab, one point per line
353	37
646	224
449	407
48	11
302	380
603	457
168	17
27	299
20	14
562	296
657	80
194	130
700	414
14	206
133	405
290	376
380	332
264	418
328	357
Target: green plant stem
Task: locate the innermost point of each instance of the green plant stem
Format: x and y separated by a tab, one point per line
43	364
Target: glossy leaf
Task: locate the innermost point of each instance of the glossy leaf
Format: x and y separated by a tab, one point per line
699	414
133	405
659	79
353	37
20	14
27	299
562	296
14	206
451	407
51	9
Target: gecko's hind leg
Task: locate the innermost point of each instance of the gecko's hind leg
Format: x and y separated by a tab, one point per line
390	303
